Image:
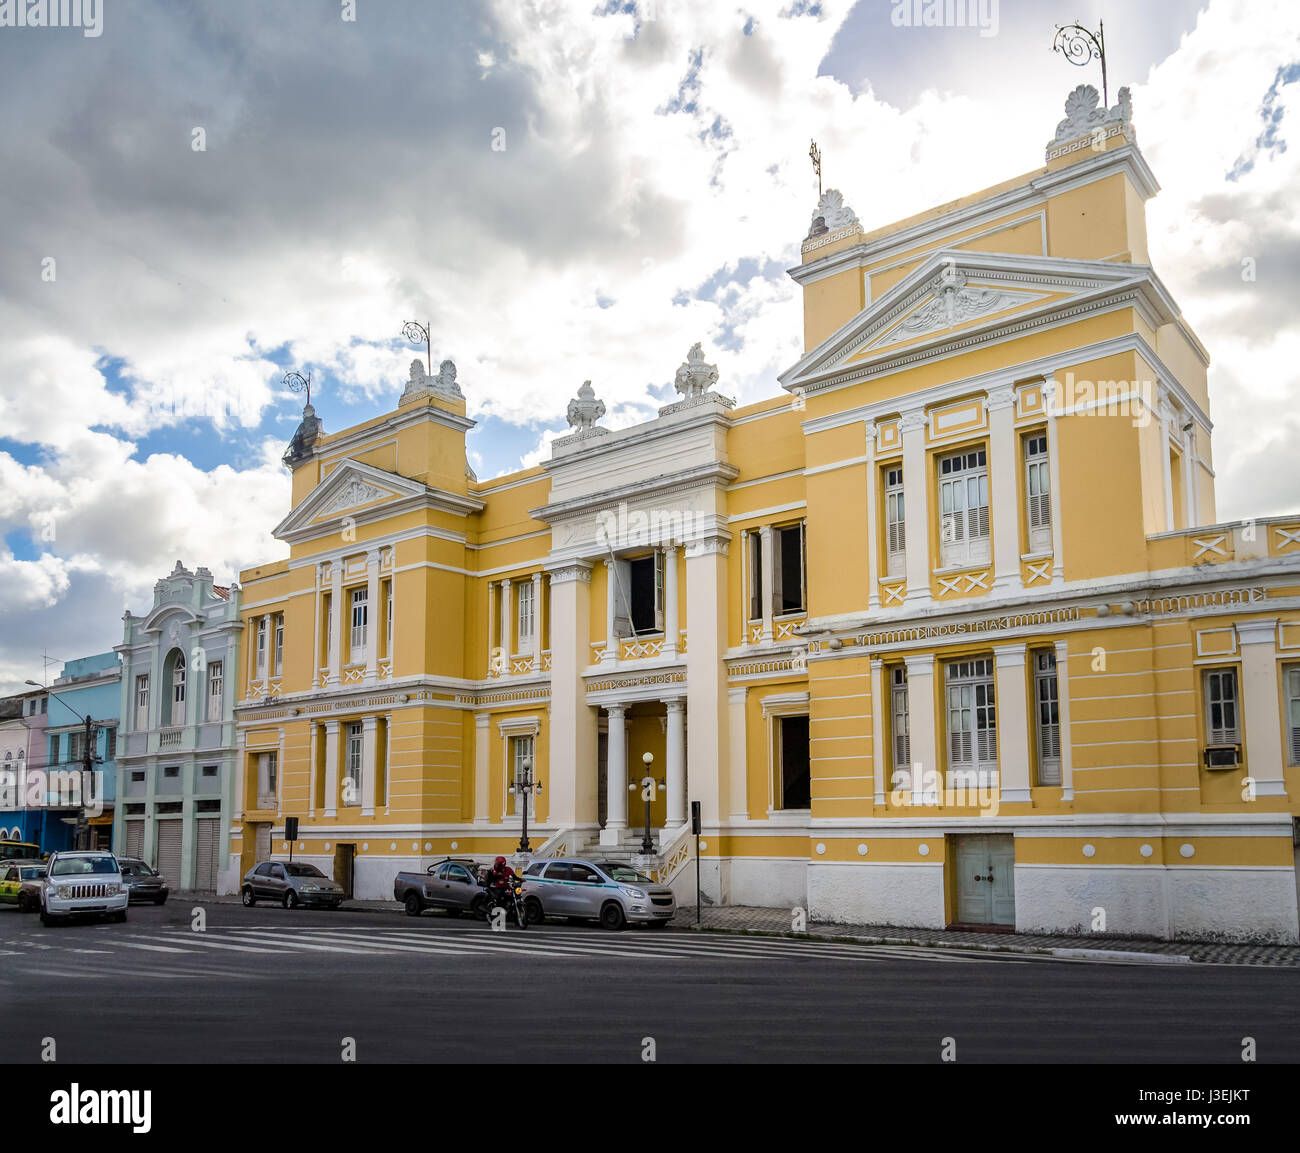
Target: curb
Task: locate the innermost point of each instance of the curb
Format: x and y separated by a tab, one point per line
233	899
970	946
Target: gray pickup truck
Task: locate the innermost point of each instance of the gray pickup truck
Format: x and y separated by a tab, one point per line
451	884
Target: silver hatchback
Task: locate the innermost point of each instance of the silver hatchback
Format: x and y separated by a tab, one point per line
610	892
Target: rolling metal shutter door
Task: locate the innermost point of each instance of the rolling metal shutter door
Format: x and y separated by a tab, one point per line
170	834
134	838
205	859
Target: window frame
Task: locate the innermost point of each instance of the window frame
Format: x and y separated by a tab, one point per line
1047	695
970	548
359	635
1222	735
1291	711
975	673
1036	468
520	747
895	541
779	532
141	701
354	757
900	724
216	690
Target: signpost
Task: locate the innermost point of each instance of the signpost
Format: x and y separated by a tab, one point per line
695	828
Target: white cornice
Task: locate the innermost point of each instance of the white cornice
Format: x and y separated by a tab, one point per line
715	473
343	442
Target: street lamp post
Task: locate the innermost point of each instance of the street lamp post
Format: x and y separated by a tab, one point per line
524	787
647	791
87	761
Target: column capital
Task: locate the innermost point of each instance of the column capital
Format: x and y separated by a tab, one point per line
569	573
920	664
616	712
675	704
914	420
715	545
1260	631
1000	398
1010	656
738	694
482	720
369	723
332	726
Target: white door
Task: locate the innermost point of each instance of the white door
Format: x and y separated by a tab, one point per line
134	838
205	855
170	834
985	880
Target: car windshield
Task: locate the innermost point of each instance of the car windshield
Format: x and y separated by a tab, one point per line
68	866
33	874
297	870
625	873
136	869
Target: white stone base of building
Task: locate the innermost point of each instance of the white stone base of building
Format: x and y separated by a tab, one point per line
889	894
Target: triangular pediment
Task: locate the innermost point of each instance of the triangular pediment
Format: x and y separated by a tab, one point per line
957	298
361	492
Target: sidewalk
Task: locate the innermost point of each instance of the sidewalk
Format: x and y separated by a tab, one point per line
770	922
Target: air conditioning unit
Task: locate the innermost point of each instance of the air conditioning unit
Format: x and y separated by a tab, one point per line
1222	756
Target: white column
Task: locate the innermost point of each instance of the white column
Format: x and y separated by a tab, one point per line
241	777
765	547
615	777
1063	716
507	621
336	622
1191	501
738	783
1054	479
318	658
492	626
373	613
537	621
1010	698
880	704
1166	419
313	783
1259	704
915	513
746	583
369	763
611	641
572	773
269	624
1004	488
196	686
924	782
671	633
708	730
331	768
388	761
675	777
482	751
873	522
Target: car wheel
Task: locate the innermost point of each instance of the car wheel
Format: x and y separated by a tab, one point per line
22	904
479	908
291	900
120	916
454	912
413	905
46	919
612	917
535	913
249	899
160	900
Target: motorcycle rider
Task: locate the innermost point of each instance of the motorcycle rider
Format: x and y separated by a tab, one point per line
498	877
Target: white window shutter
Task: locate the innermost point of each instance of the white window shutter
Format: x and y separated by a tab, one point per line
622	603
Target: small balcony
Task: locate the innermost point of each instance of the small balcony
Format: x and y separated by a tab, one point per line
170	738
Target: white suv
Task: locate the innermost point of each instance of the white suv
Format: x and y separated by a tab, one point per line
79	881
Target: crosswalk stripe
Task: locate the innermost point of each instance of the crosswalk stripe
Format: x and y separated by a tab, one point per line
535	947
263	935
152	948
205	942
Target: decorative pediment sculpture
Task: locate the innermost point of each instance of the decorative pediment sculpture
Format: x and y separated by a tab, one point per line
445	381
694	377
444	384
831	215
955	303
1085	118
304	440
354	493
584	410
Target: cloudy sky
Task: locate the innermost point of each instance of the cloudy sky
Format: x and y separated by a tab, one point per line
566	191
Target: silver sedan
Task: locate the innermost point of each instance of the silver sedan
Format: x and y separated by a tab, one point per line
606	891
291	883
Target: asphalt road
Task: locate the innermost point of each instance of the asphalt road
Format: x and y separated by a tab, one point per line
269	985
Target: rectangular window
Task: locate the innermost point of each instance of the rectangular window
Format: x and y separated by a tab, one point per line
1047	717
788	569
178	691
964	509
279	644
388	621
526	613
972	723
261	648
901	737
895	531
755	576
142	701
794	783
646	590
354	765
267	780
1038	493
521	759
76	747
216	680
110	742
1222	711
1291	685
209	770
172	772
360	619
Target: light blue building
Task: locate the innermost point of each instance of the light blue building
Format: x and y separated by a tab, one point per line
88	687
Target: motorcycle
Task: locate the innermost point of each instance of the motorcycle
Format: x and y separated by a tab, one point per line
509	897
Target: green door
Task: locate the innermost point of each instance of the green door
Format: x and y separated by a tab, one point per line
985	880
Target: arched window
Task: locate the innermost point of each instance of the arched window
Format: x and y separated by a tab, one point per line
175	703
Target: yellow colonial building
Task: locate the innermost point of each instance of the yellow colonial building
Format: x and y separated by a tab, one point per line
944	633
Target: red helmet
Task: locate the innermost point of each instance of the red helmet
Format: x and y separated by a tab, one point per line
500	861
